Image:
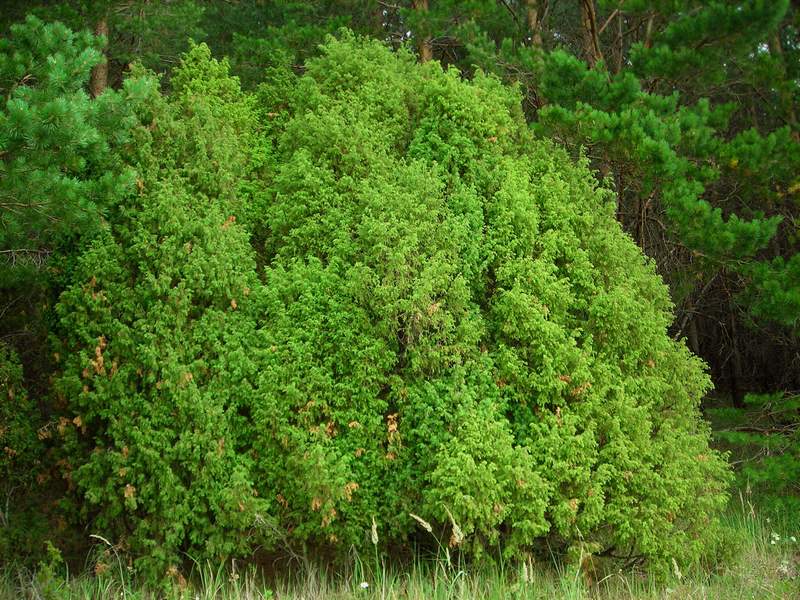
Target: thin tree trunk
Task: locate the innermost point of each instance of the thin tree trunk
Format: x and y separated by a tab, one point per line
641	210
424	45
648	35
99	79
694	338
377	21
591	40
620	43
735	365
787	101
533	18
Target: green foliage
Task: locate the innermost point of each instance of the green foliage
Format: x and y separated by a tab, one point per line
258	35
775	292
456	327
153	33
57	169
701	43
701	119
367	295
667	145
20	460
50	573
17	428
449	323
155	332
688	109
765	439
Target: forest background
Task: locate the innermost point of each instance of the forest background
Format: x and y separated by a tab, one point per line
686	110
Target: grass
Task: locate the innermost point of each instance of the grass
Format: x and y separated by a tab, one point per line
765	565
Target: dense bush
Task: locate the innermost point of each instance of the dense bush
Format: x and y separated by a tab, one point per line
59	174
154	334
456	325
20	461
449	322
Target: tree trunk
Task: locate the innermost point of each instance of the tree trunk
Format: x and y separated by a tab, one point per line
424	45
591	41
99	80
620	43
648	35
787	101
735	365
534	22
694	338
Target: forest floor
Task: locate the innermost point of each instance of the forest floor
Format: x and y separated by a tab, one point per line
764	565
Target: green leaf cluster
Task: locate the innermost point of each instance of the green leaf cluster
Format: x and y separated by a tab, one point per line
448	322
155	332
58	172
21	453
457	326
365	293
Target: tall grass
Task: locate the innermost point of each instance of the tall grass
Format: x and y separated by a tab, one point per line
765	566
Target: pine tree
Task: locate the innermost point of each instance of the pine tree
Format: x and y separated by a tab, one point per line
58	171
153	33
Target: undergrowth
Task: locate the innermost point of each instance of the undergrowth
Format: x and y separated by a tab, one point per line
763	563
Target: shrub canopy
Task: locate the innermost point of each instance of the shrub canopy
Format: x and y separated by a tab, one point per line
446	321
